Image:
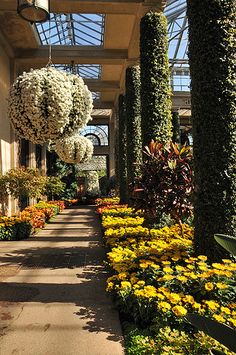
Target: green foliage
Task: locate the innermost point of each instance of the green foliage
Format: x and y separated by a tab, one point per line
167	182
169	342
15	230
8	232
222	333
25	182
155	75
212	35
122	151
227	242
133	117
54	187
176	127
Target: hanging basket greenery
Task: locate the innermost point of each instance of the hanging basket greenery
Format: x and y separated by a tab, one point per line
48	104
74	149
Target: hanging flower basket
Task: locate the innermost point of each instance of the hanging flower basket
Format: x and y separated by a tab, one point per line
46	104
82	105
74	149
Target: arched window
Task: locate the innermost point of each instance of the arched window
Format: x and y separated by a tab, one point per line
98	134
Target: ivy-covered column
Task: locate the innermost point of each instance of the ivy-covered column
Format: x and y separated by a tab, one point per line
212	36
133	114
122	176
176	127
155	79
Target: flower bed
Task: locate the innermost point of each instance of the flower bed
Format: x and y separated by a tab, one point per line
107	201
157	280
13	228
31	219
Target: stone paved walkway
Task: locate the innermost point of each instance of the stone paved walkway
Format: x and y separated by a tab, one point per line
52	291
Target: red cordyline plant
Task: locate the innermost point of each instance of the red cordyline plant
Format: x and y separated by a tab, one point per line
166	184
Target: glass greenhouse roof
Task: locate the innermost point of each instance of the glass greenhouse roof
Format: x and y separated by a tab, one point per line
175	12
72	29
86	71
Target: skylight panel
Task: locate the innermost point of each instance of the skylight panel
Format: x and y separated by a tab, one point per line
72	29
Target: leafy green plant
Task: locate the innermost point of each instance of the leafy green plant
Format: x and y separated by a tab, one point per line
25	182
133	120
155	78
122	150
227	242
166	185
54	187
212	34
222	333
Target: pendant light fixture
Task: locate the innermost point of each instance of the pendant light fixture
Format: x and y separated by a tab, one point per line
34	10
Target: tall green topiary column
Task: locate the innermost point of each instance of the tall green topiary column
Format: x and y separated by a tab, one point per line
133	114
212	36
155	79
176	127
122	151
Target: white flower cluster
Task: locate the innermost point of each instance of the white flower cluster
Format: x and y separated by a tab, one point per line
82	104
74	149
92	183
48	104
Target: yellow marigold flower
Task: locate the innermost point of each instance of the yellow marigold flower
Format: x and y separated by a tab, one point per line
212	305
175	257
188	299
233	321
166	262
179	311
226	310
174	298
160	296
226	261
221	285
192	276
218	266
167	277
168	270
209	286
122	275
228	274
141	283
197	306
125	284
202	257
219	318
164	290
202	263
182	278
165	306
109	286
191	267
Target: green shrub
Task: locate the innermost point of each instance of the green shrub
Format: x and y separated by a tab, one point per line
155	78
122	150
133	119
212	37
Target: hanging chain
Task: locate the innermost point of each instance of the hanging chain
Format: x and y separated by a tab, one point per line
50	63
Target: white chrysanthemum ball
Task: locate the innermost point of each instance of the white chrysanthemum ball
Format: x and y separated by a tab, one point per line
82	105
74	149
47	104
